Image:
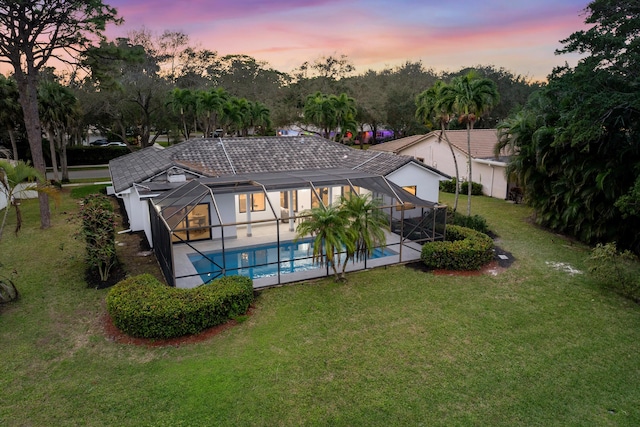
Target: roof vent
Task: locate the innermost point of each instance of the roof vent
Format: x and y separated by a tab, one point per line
176	175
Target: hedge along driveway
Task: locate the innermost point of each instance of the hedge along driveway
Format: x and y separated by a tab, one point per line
531	346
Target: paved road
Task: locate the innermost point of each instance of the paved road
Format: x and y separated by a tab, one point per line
99	173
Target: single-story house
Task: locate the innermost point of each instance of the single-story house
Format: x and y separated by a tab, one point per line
433	150
212	207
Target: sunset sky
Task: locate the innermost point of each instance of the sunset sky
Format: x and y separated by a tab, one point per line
519	35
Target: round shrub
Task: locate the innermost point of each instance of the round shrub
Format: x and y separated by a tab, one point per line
463	249
143	307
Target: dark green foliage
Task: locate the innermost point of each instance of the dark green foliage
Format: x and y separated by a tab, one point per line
576	143
475	222
618	270
81	156
99	231
450	187
463	249
143	307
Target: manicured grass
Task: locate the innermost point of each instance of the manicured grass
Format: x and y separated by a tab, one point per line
533	345
82	191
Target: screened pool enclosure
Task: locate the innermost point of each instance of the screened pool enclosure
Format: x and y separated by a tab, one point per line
246	225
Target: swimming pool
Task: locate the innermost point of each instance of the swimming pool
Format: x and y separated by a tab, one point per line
262	261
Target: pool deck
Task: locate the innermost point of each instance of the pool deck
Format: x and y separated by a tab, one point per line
188	277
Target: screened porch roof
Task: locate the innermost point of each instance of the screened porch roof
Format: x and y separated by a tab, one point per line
195	191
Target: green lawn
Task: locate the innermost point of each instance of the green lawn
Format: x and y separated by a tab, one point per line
533	345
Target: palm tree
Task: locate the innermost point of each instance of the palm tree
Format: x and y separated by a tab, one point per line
57	105
345	112
60	113
235	113
470	96
432	110
259	115
366	226
516	133
329	226
210	103
12	174
320	111
183	102
10	110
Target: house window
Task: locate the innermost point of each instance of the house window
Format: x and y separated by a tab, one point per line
196	225
411	189
284	200
323	192
346	189
257	202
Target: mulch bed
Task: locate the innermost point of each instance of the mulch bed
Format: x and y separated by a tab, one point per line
114	334
499	264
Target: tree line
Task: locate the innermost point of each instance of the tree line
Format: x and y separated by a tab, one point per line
574	138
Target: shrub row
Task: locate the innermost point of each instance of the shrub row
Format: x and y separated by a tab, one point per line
141	306
463	249
475	222
80	156
450	187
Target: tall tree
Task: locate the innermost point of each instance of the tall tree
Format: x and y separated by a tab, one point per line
345	113
259	117
331	113
209	106
434	112
319	111
235	113
581	160
59	112
470	96
31	33
184	102
10	111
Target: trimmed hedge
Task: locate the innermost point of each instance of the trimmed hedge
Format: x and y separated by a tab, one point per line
83	155
463	249
475	222
141	306
450	187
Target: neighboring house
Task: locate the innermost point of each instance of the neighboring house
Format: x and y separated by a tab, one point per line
212	194
433	150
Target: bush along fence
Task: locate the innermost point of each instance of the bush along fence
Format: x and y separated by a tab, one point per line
143	307
463	249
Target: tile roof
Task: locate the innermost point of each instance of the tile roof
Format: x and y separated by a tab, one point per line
231	156
483	142
397	145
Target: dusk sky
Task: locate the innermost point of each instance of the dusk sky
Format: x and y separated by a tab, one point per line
518	35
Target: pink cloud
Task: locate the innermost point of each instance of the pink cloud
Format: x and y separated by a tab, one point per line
373	35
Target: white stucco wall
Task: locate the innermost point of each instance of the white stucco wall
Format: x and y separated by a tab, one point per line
426	182
438	155
492	177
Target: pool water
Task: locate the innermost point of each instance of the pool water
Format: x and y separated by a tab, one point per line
262	261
